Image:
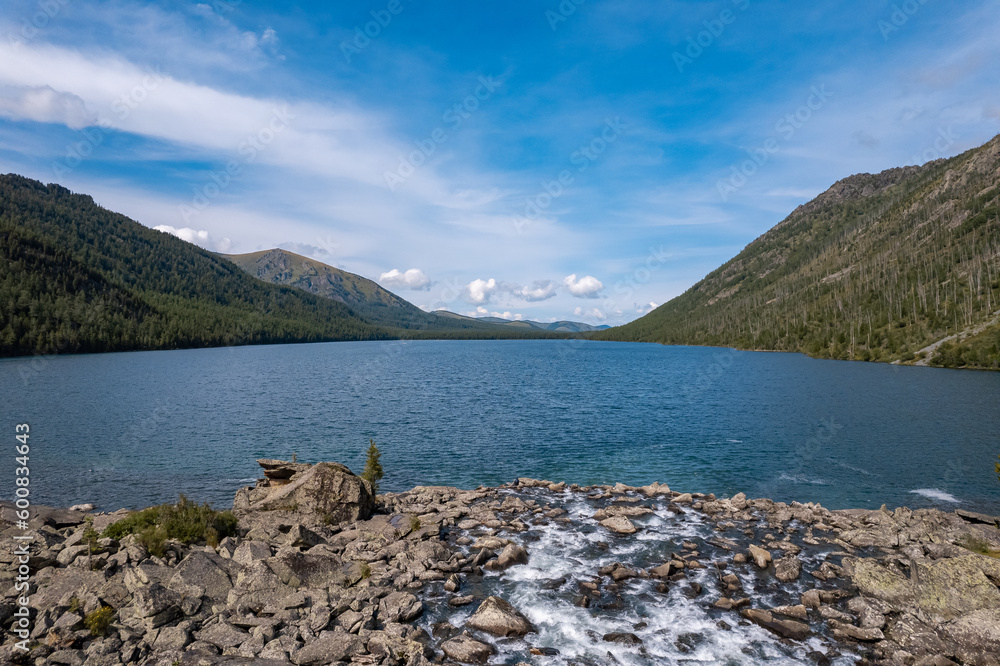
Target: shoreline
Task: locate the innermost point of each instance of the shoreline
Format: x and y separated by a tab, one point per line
318	573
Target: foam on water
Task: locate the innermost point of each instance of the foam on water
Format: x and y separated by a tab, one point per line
801	478
680	627
935	494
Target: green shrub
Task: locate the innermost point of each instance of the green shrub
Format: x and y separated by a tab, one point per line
99	621
414	523
185	521
154	540
373	468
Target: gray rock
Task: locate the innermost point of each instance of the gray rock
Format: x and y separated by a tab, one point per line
222	635
257	586
760	556
317	567
303	537
941	590
202	570
326	491
467	650
400	607
976	635
172	638
791	629
619	525
622	639
330	647
511	555
248	551
496	616
156	605
787	568
849	631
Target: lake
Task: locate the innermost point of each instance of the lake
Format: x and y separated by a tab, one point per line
134	429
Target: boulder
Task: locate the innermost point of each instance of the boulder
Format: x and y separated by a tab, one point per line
939	590
328	492
619	525
496	616
976	635
511	555
866	634
787	568
791	629
399	607
248	551
622	638
330	647
222	635
760	556
200	569
317	567
620	510
467	650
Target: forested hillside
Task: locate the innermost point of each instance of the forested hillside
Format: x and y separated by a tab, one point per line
878	268
75	277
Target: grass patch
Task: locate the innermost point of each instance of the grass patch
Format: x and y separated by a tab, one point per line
185	521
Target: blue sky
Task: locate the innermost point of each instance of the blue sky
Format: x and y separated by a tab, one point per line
577	160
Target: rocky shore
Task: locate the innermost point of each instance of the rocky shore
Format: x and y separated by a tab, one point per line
530	572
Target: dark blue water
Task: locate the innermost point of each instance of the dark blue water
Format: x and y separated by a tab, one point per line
140	428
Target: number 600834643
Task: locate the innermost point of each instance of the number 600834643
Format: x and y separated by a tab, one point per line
21	472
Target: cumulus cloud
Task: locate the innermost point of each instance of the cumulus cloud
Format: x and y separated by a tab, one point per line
45	104
414	279
198	237
590	314
585	287
646	309
540	290
483	312
478	292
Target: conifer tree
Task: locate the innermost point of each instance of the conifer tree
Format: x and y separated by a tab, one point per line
373	468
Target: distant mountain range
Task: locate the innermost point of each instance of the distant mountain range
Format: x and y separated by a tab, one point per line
374	302
879	267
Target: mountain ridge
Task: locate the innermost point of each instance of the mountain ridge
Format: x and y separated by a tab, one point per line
877	267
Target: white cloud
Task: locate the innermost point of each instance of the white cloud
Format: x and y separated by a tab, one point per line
540	290
483	312
585	287
198	237
45	104
414	279
594	313
480	291
646	309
